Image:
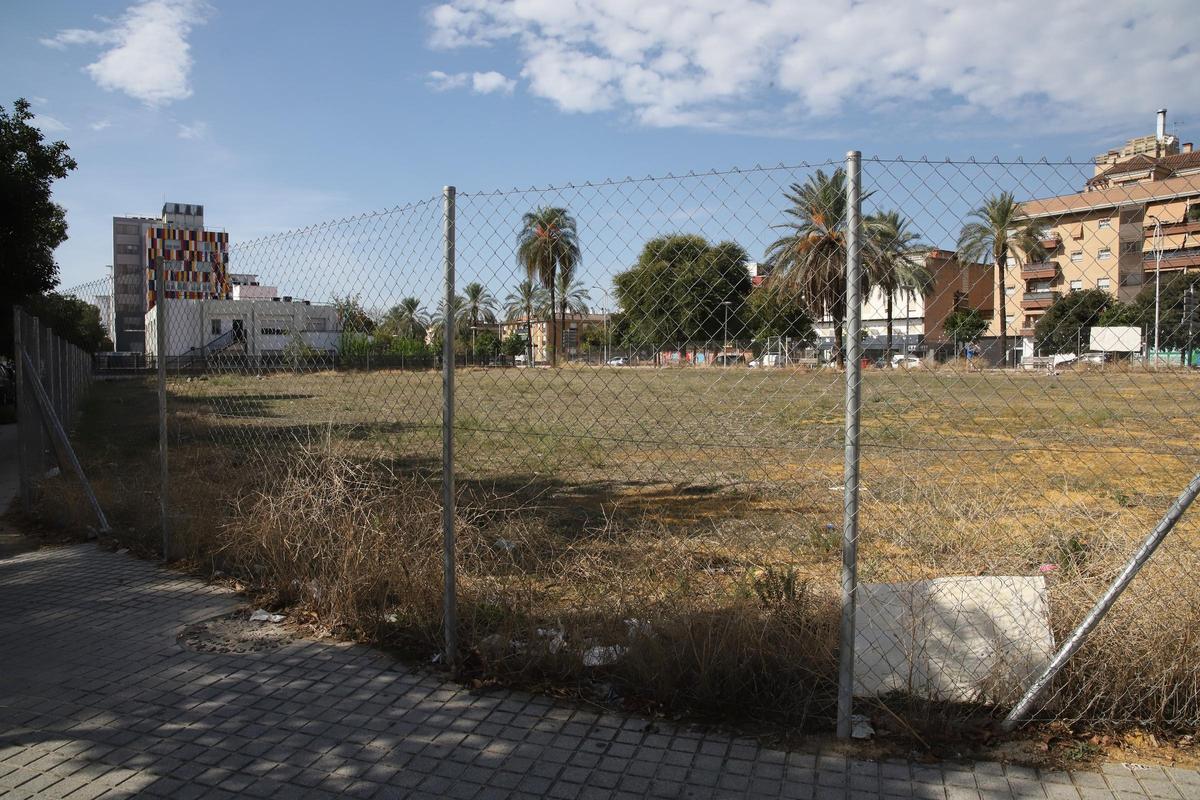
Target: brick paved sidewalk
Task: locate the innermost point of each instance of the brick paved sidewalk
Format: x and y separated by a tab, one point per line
97	698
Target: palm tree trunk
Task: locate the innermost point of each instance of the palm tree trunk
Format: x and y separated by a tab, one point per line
1003	310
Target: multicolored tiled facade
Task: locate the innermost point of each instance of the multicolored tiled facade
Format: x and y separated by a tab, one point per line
196	263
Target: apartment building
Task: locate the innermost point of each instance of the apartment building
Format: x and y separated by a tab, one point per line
1139	213
196	261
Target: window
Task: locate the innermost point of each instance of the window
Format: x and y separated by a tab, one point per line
1008	320
1009	289
216	327
1076	286
1077	257
314	324
1104	283
1104	223
1104	254
1131	248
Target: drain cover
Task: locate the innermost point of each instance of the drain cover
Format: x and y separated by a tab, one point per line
234	634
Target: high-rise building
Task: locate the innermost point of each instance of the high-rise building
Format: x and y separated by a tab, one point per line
196	263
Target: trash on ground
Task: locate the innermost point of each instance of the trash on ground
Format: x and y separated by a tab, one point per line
262	615
506	545
860	727
638	627
959	639
603	656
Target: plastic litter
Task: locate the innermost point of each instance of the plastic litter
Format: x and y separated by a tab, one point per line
603	656
506	545
860	727
262	615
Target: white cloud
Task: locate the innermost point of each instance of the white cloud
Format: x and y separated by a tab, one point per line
480	82
48	124
488	82
100	124
148	56
197	130
1071	65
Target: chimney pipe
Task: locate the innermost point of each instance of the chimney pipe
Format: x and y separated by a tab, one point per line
1162	124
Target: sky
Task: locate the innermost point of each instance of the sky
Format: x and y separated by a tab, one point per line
279	115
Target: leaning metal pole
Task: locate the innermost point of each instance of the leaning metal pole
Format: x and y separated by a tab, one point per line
449	599
1079	635
851	337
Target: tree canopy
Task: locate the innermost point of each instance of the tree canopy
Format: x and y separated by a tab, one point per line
31	224
1066	325
681	292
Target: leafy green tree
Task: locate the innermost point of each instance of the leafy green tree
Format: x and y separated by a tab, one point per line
892	260
683	291
965	325
1066	324
547	246
487	345
997	231
352	317
75	320
811	256
776	309
1174	332
408	347
31	224
591	338
513	345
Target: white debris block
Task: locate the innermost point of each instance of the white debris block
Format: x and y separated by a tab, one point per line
962	639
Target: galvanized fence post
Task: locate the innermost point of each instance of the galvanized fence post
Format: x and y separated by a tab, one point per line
24	422
160	325
1078	636
852	349
449	599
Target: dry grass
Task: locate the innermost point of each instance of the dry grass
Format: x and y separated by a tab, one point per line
593	496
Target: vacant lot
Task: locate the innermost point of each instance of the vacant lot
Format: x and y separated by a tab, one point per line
707	500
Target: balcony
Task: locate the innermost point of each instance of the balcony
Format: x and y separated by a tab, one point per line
1050	241
1032	301
1026	331
1182	258
1171	228
1039	270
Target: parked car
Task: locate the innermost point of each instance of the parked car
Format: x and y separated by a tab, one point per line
901	361
619	361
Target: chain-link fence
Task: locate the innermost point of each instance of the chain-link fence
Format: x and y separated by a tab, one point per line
645	387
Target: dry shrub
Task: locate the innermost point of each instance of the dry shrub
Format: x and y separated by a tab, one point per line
360	547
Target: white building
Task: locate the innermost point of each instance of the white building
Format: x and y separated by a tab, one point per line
908	322
266	326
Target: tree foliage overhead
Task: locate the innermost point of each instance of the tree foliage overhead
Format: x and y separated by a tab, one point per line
681	292
776	309
31	224
1066	325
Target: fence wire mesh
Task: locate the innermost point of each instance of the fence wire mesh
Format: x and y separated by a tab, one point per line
649	426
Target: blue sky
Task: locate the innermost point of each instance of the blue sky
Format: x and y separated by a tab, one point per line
277	115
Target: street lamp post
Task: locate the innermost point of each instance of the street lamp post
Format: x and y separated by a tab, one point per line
604	291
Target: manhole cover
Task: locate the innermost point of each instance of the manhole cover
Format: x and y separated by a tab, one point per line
234	634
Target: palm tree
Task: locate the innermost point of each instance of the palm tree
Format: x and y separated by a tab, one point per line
407	316
528	298
572	296
810	259
478	303
547	245
998	231
892	262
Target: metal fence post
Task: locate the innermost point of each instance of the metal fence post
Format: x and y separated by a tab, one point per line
1073	642
37	439
24	426
449	599
853	405
160	325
